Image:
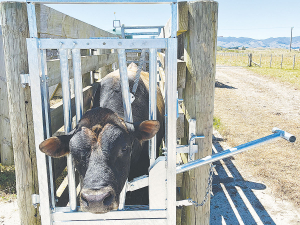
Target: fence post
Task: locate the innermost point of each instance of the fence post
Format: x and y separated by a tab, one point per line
6	150
15	31
294	61
260	61
200	43
250	59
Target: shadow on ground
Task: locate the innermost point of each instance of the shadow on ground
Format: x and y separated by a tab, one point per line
233	201
221	85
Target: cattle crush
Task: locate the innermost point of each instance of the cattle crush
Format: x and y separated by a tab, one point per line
190	35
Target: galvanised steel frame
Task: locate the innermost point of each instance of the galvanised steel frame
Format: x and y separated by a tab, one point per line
163	170
165	213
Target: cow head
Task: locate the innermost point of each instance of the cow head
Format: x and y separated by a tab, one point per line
102	146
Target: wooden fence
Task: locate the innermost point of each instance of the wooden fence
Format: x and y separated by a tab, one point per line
278	61
17	100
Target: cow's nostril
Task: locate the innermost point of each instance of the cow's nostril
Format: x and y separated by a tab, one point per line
108	200
84	200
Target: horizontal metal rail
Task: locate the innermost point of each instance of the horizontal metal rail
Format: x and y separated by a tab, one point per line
143	27
102	1
236	150
102	43
142	33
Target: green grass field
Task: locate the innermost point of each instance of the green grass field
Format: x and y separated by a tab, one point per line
284	66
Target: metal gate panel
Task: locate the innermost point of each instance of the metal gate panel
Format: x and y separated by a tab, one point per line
41	113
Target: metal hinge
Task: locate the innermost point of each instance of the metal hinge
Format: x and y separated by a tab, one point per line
25	80
35	200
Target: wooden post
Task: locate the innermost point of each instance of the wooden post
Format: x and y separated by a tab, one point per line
6	149
294	61
250	59
15	31
200	43
260	61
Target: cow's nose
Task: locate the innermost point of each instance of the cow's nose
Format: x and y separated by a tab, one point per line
98	201
104	198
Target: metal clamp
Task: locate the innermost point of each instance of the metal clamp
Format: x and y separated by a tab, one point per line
25	80
35	200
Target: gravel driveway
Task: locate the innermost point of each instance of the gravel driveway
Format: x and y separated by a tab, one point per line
261	186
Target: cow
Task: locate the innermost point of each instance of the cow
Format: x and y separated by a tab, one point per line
107	150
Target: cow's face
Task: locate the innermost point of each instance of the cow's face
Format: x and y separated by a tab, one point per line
102	152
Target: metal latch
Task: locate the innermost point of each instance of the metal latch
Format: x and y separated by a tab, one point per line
186	202
192	137
25	80
35	200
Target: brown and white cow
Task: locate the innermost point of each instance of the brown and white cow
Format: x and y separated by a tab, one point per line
106	149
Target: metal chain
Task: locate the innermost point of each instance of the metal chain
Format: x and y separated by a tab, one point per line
139	70
208	189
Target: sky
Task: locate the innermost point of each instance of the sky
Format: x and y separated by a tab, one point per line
258	19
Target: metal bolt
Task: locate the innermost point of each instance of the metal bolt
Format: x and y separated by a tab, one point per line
104	43
120	43
87	43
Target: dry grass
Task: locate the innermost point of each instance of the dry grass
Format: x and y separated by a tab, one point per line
283	70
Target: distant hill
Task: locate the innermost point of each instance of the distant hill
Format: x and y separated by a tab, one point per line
280	42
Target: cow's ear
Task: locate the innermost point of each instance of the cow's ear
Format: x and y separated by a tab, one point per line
56	146
147	129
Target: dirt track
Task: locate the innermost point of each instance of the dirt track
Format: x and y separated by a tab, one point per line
249	106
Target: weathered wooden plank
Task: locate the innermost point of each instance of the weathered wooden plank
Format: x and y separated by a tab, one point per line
88	63
181	70
54	24
6	149
56	111
183	19
15	31
200	43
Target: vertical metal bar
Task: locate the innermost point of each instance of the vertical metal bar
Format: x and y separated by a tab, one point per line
125	85
152	99
174	20
126	105
77	83
123	31
37	111
32	20
35	70
170	96
65	83
47	118
91	72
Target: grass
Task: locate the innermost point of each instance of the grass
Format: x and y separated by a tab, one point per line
281	70
7	183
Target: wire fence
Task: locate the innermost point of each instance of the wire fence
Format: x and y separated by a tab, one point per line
278	61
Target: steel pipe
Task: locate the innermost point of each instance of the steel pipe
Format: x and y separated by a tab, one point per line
236	150
65	83
77	83
47	119
152	99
